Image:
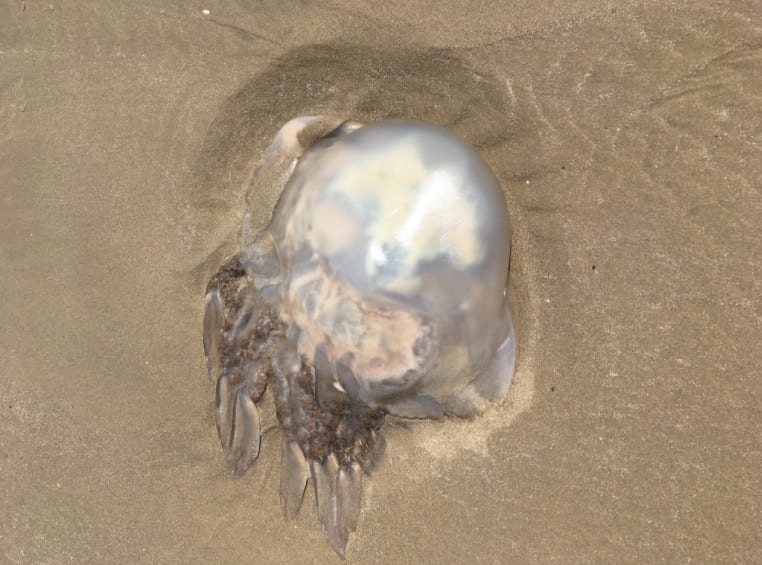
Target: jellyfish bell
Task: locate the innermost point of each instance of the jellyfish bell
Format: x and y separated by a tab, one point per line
393	244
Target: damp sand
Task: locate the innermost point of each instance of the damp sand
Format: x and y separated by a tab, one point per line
627	138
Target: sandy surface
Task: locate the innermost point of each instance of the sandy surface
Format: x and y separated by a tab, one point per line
627	136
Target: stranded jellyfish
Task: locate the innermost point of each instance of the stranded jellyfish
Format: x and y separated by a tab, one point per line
378	287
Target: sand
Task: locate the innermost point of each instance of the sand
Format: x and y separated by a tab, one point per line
627	137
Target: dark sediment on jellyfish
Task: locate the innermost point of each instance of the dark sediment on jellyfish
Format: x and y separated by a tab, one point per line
321	425
347	428
228	280
237	349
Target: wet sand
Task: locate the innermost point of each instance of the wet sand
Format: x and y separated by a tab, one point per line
627	136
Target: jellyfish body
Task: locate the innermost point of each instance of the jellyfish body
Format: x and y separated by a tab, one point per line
378	287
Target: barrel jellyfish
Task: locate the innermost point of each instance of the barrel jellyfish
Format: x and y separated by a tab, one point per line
378	288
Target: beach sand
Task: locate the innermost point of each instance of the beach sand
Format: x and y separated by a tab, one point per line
627	137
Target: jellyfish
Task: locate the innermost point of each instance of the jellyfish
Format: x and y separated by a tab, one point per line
377	288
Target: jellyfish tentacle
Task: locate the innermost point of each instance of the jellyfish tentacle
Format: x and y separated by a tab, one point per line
325	475
214	318
244	435
237	416
338	493
287	367
222	409
349	497
293	477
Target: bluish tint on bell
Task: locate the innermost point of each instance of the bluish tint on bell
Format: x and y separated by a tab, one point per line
398	232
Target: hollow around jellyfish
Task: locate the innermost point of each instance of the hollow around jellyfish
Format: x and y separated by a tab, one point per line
378	287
